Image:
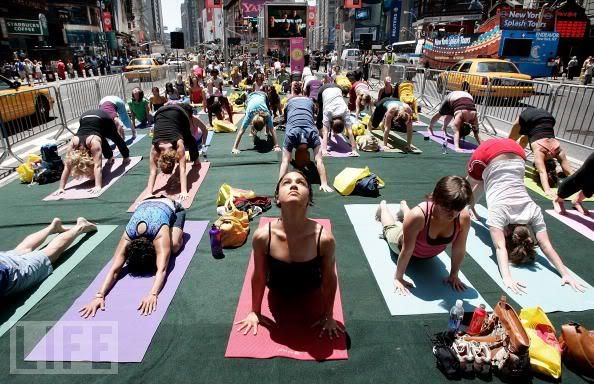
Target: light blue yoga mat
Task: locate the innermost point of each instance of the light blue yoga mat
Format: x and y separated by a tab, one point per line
430	294
543	281
59	273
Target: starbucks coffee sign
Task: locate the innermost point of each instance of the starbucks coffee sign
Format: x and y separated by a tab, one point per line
23	27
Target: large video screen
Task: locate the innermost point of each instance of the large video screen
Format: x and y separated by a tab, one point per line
517	47
286	21
452	7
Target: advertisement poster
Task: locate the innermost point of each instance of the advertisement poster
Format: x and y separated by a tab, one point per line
395	21
527	19
311	16
297	55
353	4
454	7
285	21
530	51
455	41
106	22
251	8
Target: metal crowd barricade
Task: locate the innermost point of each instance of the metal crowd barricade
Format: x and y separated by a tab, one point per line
573	108
112	85
351	65
375	81
432	94
25	114
78	97
506	98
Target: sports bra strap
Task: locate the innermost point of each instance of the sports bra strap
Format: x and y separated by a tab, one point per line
319	237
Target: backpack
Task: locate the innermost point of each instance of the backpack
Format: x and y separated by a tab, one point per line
367	143
367	186
51	166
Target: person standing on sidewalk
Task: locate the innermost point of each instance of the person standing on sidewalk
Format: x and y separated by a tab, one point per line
588	68
572	67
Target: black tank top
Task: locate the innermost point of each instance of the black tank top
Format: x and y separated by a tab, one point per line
170	123
94	123
295	277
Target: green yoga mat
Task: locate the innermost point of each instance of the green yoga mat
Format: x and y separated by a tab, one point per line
59	273
397	141
534	187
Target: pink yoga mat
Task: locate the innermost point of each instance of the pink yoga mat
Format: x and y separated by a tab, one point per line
293	337
339	146
465	146
118	334
79	188
168	185
576	221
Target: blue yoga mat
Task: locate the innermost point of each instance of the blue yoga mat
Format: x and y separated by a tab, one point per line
430	294
543	281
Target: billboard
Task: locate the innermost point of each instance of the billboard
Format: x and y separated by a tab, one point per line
286	21
455	41
530	51
527	19
453	7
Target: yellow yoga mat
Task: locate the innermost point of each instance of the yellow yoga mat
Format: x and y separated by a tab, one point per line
534	187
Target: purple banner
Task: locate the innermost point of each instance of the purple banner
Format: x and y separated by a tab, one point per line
251	8
297	55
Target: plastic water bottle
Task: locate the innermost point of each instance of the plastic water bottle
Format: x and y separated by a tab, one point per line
216	247
444	146
456	315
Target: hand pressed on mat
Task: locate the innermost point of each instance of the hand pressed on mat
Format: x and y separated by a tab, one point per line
330	326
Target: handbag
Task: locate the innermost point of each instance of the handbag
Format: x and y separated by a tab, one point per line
545	349
234	226
227	192
367	186
578	348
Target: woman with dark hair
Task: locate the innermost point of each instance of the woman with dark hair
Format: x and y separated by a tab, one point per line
171	137
294	257
534	127
214	102
426	230
515	221
153	234
394	114
171	92
459	106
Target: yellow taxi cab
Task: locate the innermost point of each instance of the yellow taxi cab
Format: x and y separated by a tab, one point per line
143	69
17	101
474	76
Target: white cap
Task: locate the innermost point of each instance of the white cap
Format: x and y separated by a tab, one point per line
459	303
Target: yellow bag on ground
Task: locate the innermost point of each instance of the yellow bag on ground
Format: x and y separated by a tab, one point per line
345	181
26	170
222	126
227	192
234	226
343	82
545	357
359	129
366	119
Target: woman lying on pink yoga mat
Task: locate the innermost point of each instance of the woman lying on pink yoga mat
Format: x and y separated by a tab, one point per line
294	257
515	221
426	230
154	233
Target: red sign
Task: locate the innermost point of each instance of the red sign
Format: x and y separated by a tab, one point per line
311	16
572	29
353	4
214	3
107	27
209	14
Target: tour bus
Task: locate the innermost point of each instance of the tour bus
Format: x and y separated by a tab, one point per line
412	50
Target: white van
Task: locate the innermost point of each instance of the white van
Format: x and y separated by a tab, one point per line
351	54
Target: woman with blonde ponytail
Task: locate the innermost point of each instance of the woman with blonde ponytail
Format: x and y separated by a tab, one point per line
257	115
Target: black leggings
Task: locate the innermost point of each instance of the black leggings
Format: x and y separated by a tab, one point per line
581	180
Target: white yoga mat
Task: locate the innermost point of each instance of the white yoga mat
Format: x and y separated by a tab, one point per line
543	281
430	294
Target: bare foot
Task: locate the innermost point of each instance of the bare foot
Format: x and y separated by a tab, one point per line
85	225
578	206
378	212
403	210
56	226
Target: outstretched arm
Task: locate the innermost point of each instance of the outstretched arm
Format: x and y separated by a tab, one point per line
458	251
498	238
321	170
413	224
154	158
162	245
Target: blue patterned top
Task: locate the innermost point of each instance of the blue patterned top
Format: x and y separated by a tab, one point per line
154	214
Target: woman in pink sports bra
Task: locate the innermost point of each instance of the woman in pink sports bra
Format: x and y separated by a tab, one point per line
426	230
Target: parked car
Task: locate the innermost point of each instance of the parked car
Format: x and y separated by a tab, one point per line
143	69
474	75
17	101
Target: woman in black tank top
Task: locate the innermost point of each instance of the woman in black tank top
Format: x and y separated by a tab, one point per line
89	146
294	257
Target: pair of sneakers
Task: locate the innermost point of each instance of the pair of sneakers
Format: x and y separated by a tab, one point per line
474	356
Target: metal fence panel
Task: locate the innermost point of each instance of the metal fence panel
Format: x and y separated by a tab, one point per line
111	85
573	108
78	97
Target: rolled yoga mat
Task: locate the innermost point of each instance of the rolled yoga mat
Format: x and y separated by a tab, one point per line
119	334
576	221
77	189
169	186
430	294
544	287
15	308
535	187
465	146
296	339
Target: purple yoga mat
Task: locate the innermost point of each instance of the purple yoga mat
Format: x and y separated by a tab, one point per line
77	189
465	146
339	146
118	334
576	221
